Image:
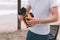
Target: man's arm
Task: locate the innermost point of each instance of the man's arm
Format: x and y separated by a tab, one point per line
54	18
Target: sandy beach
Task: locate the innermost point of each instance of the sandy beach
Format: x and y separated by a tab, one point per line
10	35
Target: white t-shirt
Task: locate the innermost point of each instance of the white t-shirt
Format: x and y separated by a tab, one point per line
40	9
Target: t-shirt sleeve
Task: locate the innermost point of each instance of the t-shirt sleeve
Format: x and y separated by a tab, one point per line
28	3
53	3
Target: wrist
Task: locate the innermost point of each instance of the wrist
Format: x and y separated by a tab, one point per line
37	22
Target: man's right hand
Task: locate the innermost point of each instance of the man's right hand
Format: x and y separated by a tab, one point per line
20	17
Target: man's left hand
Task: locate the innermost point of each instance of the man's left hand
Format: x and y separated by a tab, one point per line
32	22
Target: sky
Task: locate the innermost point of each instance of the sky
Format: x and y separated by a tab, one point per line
8	7
8	4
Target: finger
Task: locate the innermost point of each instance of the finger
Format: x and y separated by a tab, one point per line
31	25
26	18
28	21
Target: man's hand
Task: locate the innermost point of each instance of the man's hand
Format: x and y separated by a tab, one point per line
32	22
20	17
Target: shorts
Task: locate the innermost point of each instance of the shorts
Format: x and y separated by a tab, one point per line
34	36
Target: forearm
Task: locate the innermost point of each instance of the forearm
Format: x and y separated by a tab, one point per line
47	20
53	18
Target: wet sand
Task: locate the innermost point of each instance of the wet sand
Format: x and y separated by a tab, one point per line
23	35
17	35
10	35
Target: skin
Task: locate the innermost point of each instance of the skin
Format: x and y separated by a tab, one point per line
34	21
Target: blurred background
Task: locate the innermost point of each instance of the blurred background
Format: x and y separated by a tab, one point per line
8	20
8	15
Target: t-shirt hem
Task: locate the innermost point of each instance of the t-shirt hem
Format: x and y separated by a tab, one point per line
40	33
